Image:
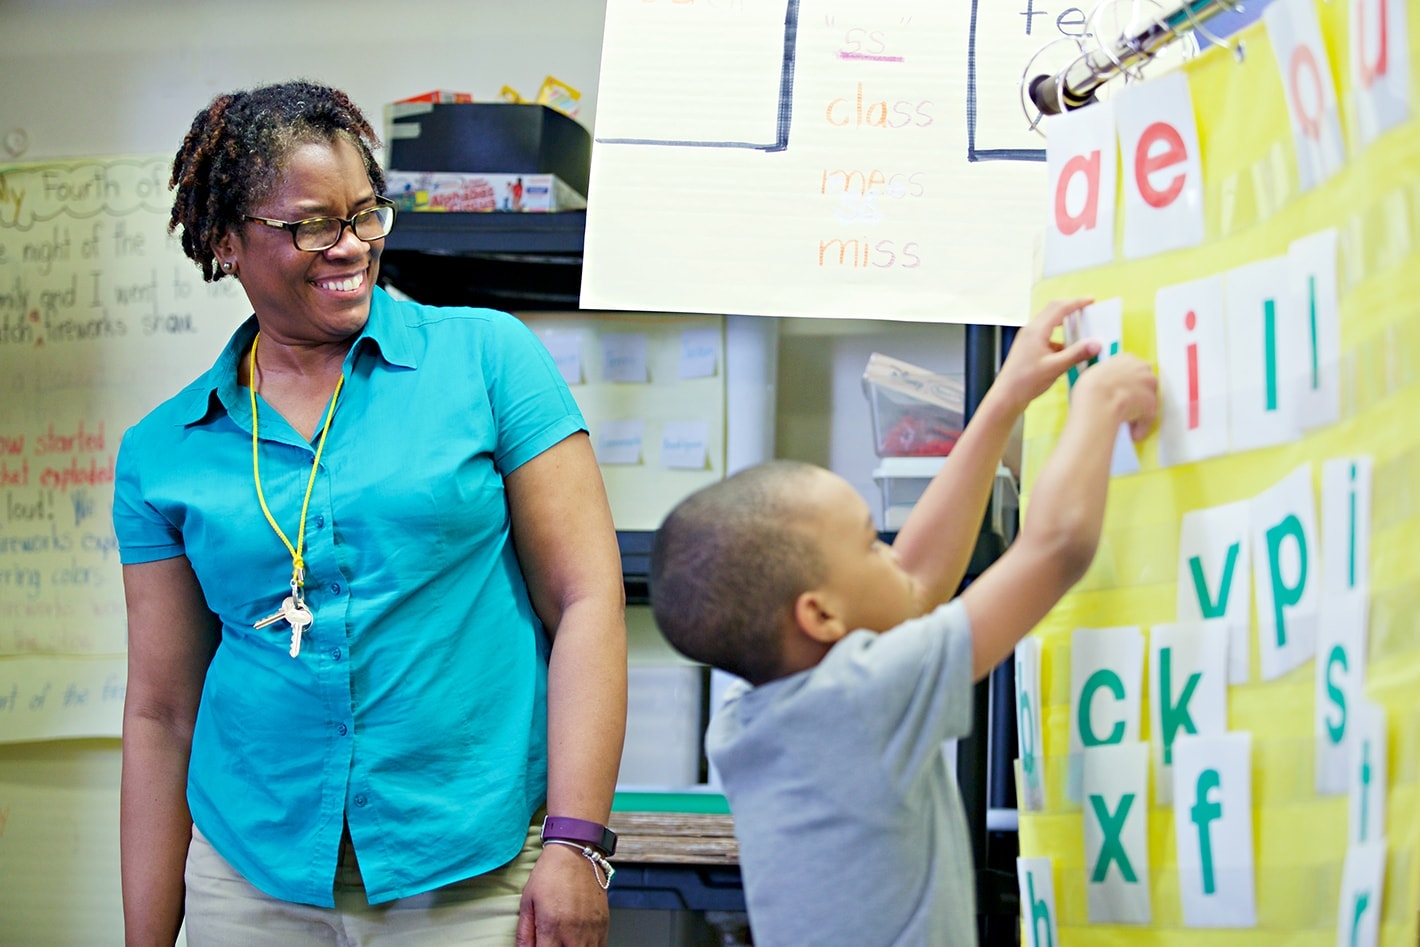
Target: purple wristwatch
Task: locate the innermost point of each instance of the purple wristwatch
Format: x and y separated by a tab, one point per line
581	831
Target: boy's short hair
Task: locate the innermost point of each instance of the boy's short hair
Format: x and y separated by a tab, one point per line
727	565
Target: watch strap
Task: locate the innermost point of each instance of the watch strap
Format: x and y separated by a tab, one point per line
581	831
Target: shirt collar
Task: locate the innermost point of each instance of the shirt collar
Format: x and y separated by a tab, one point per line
385	332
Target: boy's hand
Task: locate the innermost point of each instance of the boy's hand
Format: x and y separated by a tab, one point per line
1124	384
1036	359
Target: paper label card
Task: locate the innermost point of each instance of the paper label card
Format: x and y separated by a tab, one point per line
1358	918
1306	84
1159	158
566	351
1188	690
683	445
1030	788
709	54
1311	263
1264	352
1346	524
1190	330
1214	560
624	356
1286	570
1104	321
699	353
1116	812
1106	682
1340	676
1212	808
619	442
1380	66
1081	167
1037	882
1368	774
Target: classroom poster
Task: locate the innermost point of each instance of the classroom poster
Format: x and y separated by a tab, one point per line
1298	416
855	158
101	318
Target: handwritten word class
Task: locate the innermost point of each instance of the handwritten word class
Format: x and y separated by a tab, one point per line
859	111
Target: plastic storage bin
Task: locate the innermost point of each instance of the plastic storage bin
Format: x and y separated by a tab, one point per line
915	412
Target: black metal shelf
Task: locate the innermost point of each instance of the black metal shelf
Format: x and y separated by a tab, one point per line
500	234
517	262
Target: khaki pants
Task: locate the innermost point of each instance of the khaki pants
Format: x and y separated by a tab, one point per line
224	910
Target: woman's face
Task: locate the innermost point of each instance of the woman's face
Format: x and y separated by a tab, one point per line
300	296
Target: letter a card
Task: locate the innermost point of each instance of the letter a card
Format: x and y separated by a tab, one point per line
1080	165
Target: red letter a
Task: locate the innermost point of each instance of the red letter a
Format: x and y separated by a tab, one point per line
1089	166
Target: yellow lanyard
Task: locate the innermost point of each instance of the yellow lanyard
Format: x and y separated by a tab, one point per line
298	564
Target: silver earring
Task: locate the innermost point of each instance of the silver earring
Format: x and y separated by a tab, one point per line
227	267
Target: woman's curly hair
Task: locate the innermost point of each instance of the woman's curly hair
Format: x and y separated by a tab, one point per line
238	145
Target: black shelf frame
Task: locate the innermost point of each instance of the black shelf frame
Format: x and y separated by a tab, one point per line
500	234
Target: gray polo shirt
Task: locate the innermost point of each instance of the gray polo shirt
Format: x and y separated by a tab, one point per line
847	811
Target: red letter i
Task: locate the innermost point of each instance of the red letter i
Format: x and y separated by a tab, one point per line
1190	321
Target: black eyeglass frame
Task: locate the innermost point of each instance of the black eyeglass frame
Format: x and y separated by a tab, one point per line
381	203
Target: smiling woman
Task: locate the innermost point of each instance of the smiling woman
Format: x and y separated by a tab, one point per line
374	592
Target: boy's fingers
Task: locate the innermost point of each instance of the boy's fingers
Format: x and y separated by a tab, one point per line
1054	314
1079	351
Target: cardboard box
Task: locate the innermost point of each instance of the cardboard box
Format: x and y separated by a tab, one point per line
488	138
455	191
438	95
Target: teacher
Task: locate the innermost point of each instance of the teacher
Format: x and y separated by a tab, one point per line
375	609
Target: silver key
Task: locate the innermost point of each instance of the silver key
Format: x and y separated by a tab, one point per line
274	617
299	617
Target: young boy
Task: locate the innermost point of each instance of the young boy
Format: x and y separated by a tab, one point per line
849	820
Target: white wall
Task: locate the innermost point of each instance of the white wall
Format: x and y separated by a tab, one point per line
85	77
112	77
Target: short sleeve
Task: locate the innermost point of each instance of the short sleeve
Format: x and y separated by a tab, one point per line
911	687
532	405
144	534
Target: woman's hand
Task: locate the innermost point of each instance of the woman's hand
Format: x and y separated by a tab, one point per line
563	903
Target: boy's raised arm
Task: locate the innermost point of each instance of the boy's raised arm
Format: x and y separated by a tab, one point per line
936	542
1066	511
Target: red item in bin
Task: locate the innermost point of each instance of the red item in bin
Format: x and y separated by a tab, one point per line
914	436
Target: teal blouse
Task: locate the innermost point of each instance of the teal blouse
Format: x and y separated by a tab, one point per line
416	709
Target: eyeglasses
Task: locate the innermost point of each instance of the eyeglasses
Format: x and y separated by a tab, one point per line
314	234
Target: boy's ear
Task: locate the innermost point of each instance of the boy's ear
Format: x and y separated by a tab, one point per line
817	619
